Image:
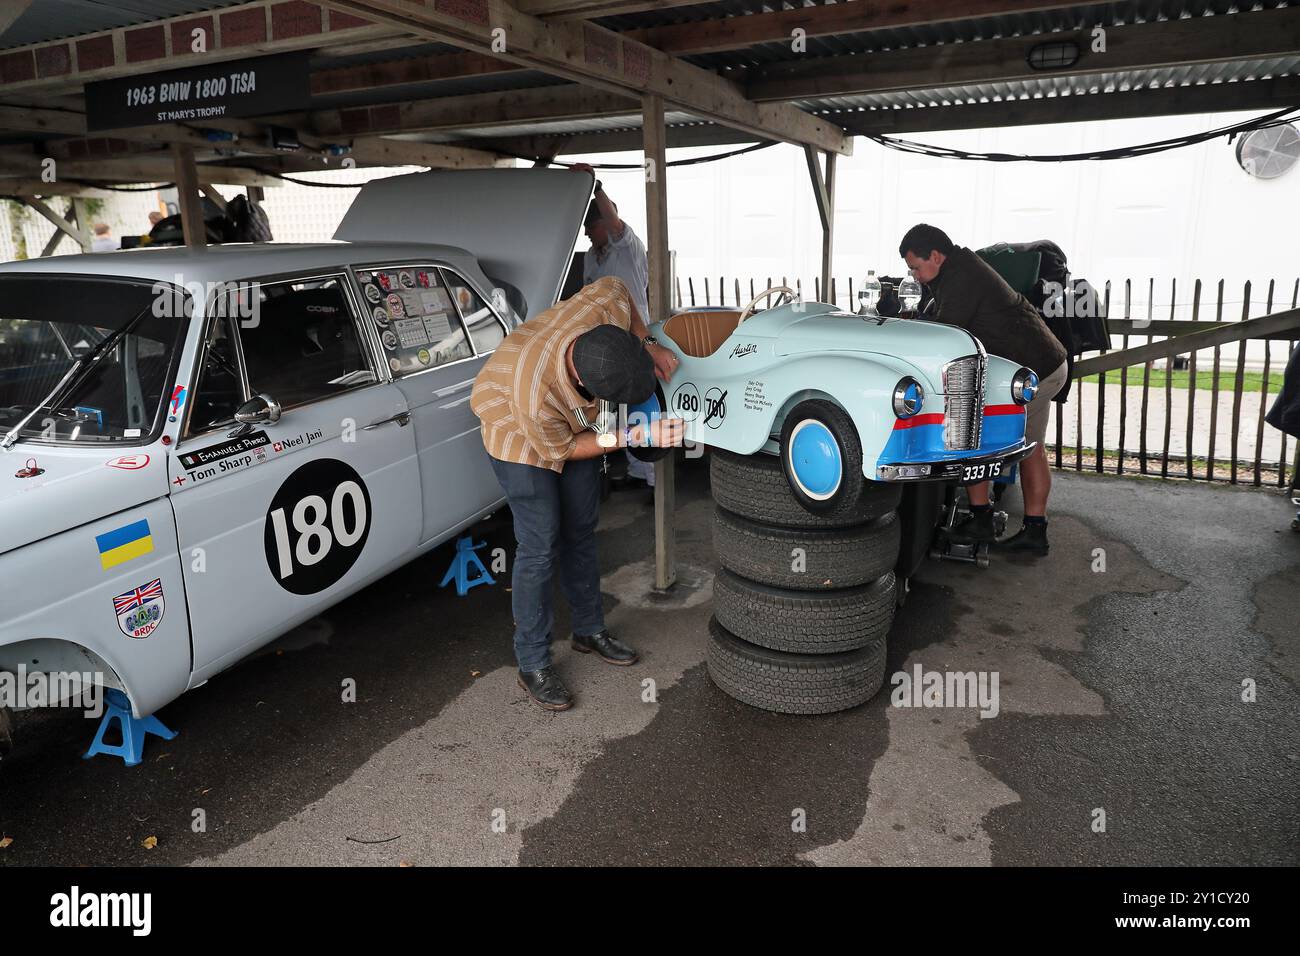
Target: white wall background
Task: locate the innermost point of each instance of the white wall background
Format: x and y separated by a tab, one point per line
1182	215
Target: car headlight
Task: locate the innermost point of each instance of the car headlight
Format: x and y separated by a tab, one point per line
908	398
1024	386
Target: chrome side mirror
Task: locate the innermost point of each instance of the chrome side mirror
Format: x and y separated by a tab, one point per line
258	410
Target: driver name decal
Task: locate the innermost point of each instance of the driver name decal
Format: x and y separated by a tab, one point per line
227	449
756	399
316	526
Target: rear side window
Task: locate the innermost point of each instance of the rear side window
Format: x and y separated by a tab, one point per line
484	327
414	316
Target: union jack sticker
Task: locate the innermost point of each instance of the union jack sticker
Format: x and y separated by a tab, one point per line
140	610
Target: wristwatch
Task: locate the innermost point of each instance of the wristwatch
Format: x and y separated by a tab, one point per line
650	340
607	440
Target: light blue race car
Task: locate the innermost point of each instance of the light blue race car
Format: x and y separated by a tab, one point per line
840	396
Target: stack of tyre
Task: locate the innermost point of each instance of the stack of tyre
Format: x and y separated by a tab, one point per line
803	601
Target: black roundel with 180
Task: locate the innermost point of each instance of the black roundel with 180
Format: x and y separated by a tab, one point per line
316	526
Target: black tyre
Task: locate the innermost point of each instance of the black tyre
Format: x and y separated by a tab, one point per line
822	457
755	487
794	683
826	557
805	622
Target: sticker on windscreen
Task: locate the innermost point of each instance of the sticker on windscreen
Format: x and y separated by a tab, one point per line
316	526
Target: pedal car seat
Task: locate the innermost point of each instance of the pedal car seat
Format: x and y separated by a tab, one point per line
701	332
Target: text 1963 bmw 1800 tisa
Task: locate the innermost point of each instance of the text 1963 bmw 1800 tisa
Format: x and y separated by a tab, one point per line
203	449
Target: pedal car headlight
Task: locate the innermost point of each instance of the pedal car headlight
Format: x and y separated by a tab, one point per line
908	398
1024	386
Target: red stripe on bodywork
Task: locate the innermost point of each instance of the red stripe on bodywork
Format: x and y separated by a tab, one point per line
1004	409
936	419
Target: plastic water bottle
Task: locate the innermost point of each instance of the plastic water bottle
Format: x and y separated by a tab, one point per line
909	294
869	295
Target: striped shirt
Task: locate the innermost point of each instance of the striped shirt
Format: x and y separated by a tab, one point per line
528	407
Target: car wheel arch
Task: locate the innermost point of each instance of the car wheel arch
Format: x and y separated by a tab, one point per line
45	654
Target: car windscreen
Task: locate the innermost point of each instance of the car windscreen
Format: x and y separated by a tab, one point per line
126	335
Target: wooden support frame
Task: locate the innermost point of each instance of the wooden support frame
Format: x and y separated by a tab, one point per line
824	193
660	297
72	216
1221	333
599	57
63	224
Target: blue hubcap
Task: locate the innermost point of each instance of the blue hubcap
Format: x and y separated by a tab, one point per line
815	459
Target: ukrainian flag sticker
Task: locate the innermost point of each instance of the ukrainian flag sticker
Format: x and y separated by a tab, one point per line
124	544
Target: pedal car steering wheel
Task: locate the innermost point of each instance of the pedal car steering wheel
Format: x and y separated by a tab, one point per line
785	290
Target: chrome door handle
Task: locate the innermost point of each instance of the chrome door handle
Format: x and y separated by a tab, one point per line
452	389
402	418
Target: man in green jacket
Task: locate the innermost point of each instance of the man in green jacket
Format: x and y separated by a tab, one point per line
968	293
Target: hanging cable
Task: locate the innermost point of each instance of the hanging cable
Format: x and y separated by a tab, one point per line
533	159
1123	152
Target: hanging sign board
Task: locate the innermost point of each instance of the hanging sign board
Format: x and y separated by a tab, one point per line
213	91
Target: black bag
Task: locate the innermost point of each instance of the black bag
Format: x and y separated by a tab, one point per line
248	221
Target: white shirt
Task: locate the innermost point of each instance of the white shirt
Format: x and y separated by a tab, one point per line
104	244
625	258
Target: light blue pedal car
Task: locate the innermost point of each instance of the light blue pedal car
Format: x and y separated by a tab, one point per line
841	397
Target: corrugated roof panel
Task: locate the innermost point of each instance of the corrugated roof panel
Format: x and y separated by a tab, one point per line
1234	72
55	19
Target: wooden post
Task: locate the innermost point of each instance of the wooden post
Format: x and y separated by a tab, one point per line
187	189
85	228
656	208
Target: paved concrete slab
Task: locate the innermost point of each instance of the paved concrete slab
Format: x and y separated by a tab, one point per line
1119	690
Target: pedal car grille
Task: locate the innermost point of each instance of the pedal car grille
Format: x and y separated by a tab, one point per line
963	402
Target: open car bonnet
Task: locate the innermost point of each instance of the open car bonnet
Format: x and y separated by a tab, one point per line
521	224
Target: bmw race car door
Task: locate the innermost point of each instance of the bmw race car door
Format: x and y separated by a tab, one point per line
520	224
281	518
436	332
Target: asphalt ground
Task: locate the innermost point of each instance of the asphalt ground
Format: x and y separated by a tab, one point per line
1121	734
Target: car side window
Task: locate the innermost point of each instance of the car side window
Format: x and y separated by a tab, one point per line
484	327
300	341
219	389
413	314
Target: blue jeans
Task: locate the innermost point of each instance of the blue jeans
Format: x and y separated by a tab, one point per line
555	517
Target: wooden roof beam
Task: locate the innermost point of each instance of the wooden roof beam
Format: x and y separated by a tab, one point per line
592	55
477	110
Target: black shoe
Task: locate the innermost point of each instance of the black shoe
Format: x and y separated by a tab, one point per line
1031	539
611	651
978	526
546	689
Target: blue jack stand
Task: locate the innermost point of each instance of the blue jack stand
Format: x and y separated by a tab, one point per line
465	562
134	729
